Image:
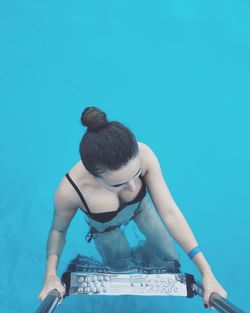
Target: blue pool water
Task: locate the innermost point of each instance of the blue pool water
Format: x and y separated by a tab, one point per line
175	72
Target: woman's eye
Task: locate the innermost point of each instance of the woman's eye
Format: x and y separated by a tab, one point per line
117	185
138	174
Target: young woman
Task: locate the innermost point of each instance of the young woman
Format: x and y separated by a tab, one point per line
112	184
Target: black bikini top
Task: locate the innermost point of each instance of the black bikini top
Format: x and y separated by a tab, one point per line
107	216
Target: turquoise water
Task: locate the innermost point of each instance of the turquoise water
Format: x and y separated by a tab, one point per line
176	73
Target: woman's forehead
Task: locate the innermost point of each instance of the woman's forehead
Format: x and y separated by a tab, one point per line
124	174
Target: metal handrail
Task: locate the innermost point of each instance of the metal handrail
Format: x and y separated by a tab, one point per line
50	302
220	303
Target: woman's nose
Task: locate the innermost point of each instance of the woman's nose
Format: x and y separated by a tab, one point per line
131	185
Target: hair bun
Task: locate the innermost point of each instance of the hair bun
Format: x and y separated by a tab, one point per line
93	118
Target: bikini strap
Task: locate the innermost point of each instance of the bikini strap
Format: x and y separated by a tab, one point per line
78	191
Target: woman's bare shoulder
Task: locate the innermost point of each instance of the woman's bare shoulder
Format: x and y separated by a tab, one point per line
147	156
63	196
143	156
142	146
144	150
66	191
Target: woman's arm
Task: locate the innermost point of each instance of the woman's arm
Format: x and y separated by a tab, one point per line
64	211
168	209
175	221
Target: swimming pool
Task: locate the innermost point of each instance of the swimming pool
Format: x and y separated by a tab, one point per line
177	73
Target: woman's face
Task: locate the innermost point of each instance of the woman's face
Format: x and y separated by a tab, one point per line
124	178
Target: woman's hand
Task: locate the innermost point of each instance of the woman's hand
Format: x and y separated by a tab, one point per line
210	284
52	282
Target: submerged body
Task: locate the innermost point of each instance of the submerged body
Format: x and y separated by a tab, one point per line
107	211
114	182
104	195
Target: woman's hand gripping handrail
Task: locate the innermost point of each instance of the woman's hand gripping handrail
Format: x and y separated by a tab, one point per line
49	304
220	303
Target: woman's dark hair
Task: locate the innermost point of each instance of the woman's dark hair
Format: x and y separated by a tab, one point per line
106	145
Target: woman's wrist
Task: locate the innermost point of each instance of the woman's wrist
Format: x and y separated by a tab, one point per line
207	272
193	252
202	264
51	267
50	274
